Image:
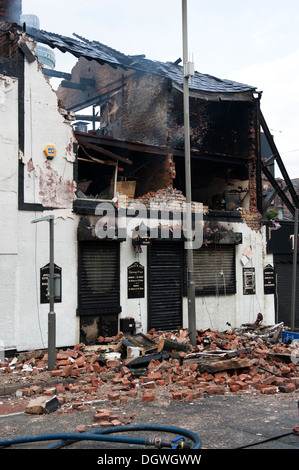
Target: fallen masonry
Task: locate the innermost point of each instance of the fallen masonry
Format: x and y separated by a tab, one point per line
142	367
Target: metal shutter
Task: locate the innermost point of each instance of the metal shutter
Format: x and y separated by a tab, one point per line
214	270
98	278
165	286
284	270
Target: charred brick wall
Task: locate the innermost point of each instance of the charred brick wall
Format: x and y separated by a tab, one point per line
8	41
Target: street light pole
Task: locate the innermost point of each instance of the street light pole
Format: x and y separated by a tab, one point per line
51	314
188	72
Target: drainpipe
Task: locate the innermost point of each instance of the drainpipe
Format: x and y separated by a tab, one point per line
188	72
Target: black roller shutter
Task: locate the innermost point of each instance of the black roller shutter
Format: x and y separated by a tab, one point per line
284	270
98	278
165	286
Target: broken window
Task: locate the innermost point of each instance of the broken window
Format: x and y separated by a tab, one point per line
214	270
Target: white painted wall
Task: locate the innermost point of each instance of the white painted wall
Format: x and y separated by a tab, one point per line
211	311
24	247
47	182
32	319
134	308
214	312
8	204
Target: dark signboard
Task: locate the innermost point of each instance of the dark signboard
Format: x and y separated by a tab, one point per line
269	280
135	281
45	284
281	240
248	281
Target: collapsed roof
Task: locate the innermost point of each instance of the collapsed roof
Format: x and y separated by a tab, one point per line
94	50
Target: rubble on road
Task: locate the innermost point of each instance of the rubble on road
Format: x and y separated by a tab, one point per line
251	359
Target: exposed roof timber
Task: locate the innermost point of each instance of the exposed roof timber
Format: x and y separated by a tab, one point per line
211	87
84	142
98	141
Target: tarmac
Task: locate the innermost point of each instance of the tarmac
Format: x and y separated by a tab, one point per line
232	421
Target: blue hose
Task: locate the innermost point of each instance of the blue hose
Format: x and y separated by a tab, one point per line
101	435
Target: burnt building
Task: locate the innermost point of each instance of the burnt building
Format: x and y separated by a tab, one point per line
104	154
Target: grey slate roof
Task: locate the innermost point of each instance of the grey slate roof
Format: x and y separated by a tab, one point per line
93	50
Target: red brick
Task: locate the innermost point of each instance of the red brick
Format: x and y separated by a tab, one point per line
56	373
234	388
67	371
160	382
288	388
215	390
80	361
113	396
177	396
267	389
81	428
154	376
147	397
113	363
149	385
101	417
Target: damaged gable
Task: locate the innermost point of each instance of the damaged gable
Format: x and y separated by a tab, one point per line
134	100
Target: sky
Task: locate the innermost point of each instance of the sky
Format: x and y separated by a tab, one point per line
255	42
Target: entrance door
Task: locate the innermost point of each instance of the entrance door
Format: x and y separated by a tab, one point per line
165	274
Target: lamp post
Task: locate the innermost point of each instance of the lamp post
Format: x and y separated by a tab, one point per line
51	314
188	72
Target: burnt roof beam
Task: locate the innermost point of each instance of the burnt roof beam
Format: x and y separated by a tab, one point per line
103	151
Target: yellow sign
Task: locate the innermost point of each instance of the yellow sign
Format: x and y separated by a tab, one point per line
50	152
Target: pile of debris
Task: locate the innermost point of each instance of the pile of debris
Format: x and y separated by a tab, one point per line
252	358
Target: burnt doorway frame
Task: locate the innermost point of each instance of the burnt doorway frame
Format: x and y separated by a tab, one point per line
170	245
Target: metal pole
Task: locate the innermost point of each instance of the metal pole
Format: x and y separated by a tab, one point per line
294	278
191	286
51	314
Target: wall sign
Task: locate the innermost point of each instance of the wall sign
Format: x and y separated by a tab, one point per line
248	281
269	280
45	284
135	281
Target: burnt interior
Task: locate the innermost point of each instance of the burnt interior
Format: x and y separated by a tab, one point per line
220	132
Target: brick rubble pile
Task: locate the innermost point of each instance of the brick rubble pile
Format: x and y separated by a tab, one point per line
115	370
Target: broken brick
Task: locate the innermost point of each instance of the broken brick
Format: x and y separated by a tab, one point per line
148	397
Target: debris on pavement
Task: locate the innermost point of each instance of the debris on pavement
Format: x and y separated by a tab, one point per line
250	359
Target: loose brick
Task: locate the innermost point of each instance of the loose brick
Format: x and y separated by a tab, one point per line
215	390
113	396
268	389
289	388
148	397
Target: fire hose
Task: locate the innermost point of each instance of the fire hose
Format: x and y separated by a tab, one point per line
104	435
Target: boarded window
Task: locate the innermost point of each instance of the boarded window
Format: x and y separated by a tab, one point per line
214	270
